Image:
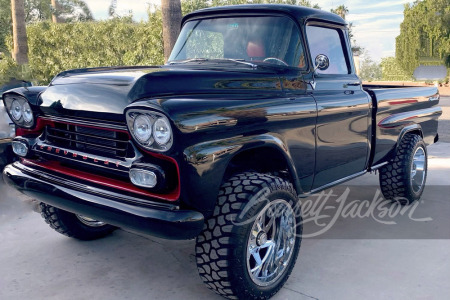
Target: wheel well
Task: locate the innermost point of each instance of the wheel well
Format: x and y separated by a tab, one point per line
261	160
414	131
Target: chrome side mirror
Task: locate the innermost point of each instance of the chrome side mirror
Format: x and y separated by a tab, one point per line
322	62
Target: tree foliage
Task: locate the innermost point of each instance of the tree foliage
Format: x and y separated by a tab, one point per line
41	10
5	23
341	11
424	35
392	71
370	70
73	11
58	47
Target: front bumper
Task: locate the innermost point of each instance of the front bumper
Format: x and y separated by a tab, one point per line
154	218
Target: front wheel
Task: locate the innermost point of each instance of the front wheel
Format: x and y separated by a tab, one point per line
403	179
72	225
249	246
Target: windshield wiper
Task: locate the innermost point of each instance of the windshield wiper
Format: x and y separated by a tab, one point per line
238	61
176	62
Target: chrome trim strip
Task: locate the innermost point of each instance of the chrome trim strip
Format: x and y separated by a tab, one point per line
376	167
392	120
339	181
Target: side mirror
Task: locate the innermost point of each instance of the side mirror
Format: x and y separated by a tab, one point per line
322	62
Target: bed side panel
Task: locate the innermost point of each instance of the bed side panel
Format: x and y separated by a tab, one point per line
400	110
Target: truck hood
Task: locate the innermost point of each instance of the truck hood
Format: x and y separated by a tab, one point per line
104	93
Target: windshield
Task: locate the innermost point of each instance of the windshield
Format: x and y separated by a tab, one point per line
269	39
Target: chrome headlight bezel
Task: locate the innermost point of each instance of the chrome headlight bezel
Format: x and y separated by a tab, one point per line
21	120
152	143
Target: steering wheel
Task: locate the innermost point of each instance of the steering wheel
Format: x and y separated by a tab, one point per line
279	61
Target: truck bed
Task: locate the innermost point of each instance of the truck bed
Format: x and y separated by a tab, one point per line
398	110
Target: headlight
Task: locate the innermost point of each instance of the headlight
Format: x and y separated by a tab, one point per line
16	110
150	129
27	113
142	128
19	110
162	131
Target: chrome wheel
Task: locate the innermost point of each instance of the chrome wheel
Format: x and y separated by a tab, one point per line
90	222
271	242
418	169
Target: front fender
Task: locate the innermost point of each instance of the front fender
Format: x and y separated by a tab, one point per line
205	165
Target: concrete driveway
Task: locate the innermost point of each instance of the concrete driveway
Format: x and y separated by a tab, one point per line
38	263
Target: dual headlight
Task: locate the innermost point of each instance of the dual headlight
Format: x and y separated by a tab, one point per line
151	130
19	110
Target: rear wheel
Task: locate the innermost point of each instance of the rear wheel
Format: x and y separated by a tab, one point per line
249	246
403	180
72	225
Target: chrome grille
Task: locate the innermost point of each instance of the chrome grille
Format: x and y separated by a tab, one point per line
97	141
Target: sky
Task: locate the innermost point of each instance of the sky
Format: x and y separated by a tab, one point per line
376	23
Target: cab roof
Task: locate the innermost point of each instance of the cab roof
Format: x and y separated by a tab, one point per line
301	13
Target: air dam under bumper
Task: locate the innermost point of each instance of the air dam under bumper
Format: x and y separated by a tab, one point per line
161	220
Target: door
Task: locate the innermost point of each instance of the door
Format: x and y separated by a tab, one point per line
343	118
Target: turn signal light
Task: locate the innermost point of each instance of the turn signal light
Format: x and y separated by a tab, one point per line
143	178
20	148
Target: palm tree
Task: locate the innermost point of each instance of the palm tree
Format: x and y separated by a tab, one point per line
341	11
171	17
112	9
20	52
56	10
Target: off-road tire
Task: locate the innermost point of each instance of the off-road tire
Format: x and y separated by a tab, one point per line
395	177
221	248
69	225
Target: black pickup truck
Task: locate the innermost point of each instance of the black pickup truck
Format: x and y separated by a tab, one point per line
257	106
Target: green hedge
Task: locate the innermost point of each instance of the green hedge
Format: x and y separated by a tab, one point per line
391	70
57	47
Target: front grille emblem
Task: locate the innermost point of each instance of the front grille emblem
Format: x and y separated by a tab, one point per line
75	155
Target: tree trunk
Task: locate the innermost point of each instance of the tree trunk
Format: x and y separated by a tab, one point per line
20	53
171	17
56	8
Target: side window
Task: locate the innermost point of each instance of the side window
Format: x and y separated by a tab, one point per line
327	41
